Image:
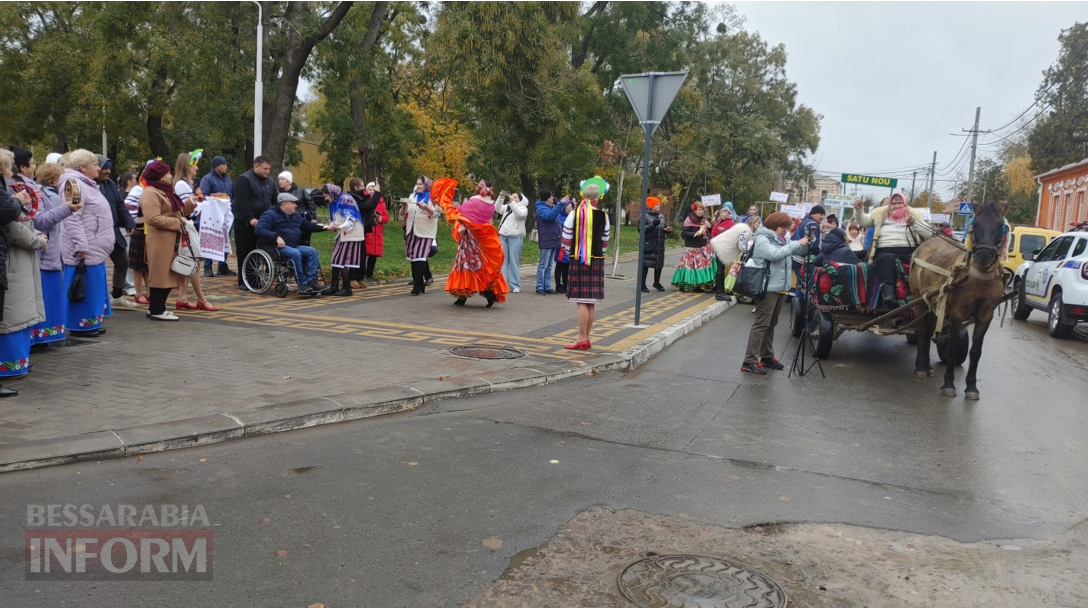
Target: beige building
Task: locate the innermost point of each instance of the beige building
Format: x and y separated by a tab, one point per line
823	186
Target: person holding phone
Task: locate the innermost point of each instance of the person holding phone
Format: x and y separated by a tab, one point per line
513	210
695	271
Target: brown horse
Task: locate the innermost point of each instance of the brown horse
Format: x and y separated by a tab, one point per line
973	287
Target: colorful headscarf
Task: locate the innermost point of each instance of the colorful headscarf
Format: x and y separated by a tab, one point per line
483	188
342	203
195	156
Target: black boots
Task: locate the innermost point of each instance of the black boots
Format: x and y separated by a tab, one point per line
419	283
887	297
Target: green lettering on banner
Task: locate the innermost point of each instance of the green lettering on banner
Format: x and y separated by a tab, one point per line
868	180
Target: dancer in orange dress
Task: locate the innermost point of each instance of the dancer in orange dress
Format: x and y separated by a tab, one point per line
477	266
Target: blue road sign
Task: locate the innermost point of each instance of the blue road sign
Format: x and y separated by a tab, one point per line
965	209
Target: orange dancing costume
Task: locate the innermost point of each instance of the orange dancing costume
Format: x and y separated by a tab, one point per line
477	266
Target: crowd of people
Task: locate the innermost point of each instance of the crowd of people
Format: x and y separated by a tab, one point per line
62	220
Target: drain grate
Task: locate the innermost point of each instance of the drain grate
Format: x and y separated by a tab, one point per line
486	351
676	581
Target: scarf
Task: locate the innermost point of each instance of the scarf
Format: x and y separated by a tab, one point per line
900	215
478	210
344	205
693	221
175	200
583	245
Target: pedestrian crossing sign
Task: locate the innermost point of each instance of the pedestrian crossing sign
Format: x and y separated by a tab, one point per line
965	209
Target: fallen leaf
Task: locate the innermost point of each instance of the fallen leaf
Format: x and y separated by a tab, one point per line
784	498
493	543
554	461
287	377
203	460
411	464
94	409
441	378
266	520
281	553
139	458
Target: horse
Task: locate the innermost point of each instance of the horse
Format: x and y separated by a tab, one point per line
971	279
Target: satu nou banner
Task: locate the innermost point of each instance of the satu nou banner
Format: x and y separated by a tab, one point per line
869	180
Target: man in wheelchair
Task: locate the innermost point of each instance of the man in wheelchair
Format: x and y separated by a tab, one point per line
284	226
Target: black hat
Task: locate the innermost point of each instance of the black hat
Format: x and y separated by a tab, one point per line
817	209
218	160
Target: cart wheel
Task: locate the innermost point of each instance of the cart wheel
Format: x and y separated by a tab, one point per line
961	355
281	290
797	318
823	334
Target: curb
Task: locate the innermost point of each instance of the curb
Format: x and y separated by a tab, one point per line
205	430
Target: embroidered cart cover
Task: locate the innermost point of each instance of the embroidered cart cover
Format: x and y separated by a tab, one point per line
216	220
855	286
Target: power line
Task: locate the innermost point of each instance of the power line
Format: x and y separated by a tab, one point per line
1040	96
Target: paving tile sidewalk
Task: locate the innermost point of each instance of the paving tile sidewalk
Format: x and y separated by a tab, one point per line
261	351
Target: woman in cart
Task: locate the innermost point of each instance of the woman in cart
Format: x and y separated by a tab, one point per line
897	231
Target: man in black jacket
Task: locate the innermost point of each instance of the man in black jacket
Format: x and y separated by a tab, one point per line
254	193
123	225
9	212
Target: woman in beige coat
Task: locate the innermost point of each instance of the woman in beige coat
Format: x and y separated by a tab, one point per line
163	213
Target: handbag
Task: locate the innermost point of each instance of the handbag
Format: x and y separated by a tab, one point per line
194	236
534	236
77	291
185	265
751	281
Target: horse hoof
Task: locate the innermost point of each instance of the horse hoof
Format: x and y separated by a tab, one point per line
972	395
921	374
930	373
948	392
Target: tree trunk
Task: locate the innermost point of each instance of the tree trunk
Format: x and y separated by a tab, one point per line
155	138
298	50
357	97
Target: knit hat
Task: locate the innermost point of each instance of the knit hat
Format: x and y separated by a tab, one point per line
53	157
218	160
652	202
156	170
103	162
287	176
817	209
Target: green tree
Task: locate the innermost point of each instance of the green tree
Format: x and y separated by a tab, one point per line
1060	137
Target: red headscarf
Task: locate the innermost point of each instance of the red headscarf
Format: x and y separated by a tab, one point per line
154	174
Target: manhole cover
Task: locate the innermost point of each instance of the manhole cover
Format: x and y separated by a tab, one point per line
486	351
692	581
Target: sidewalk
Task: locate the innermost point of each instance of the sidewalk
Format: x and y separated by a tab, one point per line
264	364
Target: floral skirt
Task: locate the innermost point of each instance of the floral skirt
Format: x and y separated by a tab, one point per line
88	314
696	269
477	265
14	353
56	308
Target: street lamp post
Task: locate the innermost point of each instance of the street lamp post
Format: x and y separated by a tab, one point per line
258	87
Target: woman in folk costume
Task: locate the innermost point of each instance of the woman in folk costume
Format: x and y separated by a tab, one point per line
347	220
695	272
477	265
897	230
47	220
420	219
24	304
585	235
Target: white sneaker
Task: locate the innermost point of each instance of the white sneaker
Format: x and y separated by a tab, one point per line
123	303
130	291
166	316
516	290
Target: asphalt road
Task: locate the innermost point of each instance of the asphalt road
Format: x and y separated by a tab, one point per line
427	508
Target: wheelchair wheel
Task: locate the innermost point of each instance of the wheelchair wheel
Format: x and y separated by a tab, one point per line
258	271
281	290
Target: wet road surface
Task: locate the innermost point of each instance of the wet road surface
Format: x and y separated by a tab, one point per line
428	508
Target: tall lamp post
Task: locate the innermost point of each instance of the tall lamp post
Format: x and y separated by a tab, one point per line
258	87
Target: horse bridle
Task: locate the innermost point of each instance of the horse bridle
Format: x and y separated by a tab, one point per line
994	270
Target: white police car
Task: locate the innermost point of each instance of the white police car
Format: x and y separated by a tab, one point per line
1055	280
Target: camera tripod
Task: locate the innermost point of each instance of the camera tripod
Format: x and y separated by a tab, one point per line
804	343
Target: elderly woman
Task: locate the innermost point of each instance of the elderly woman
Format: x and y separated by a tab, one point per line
897	231
375	235
420	217
164	214
695	271
773	250
477	265
48	221
23	305
86	243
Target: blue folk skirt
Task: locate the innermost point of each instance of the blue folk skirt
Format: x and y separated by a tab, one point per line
14	353
88	314
56	307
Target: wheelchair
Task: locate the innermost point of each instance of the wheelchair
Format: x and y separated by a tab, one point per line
266	268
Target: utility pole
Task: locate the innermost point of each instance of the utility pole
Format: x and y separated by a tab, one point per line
913	177
974	147
932	180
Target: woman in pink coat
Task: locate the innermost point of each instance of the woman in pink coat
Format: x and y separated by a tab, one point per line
86	244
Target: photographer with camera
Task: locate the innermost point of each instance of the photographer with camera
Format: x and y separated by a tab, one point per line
771	250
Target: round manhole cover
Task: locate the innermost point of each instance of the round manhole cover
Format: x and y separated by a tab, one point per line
691	581
486	351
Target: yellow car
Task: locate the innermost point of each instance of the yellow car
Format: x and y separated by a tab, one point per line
1024	239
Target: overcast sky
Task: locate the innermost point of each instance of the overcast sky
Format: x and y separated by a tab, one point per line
893	80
